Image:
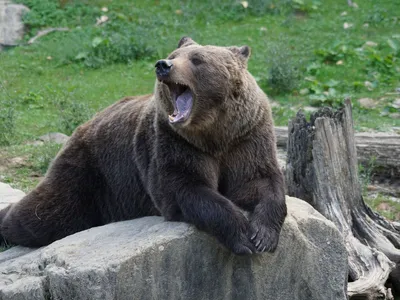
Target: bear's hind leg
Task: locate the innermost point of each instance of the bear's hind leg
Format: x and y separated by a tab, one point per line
65	202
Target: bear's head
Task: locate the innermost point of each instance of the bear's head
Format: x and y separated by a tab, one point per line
196	84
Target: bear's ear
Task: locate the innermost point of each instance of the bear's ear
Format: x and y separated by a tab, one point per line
186	41
243	52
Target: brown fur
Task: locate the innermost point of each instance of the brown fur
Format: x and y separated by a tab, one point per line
129	161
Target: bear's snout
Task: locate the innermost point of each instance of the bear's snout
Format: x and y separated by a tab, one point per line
163	67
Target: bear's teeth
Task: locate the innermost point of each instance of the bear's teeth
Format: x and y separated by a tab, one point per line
171	118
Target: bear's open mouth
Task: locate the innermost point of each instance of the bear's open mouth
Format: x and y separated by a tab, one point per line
182	98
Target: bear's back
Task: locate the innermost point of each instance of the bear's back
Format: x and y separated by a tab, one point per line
111	136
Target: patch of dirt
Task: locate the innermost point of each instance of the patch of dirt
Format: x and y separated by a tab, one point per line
3	162
384	206
18	161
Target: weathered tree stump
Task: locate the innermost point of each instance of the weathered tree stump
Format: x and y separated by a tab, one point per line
381	147
322	169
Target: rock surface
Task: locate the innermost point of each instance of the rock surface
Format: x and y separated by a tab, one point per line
367	103
11	25
54	137
9	195
148	258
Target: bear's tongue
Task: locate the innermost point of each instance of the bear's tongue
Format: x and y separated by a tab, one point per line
183	107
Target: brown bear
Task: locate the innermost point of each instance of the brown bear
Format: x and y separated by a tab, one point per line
200	150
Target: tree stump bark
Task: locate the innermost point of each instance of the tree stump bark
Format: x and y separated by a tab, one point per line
322	170
381	147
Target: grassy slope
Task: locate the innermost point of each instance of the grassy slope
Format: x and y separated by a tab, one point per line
28	73
27	69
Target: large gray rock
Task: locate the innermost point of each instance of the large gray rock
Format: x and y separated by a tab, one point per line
151	259
54	137
8	195
11	25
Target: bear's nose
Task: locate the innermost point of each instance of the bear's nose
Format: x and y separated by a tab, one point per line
163	67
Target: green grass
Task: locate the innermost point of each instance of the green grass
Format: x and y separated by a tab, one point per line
384	206
23	166
60	81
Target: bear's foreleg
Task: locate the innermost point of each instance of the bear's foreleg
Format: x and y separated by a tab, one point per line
203	206
269	211
211	212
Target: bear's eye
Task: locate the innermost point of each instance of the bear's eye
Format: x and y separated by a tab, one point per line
196	61
172	56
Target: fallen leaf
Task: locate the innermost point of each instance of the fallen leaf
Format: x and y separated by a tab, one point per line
178	11
347	25
49	58
245	4
370	44
339	62
263	29
344	13
368	85
105	9
101	20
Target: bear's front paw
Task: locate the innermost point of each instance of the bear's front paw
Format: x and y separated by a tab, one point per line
263	237
242	245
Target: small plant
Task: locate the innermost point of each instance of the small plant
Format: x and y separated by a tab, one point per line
42	156
283	74
323	93
380	63
282	114
382	66
33	100
52	13
365	173
262	7
377	16
305	6
7	122
72	114
116	42
113	48
388	109
334	53
384	205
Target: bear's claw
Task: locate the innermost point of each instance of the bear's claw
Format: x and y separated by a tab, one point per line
244	248
242	245
263	238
